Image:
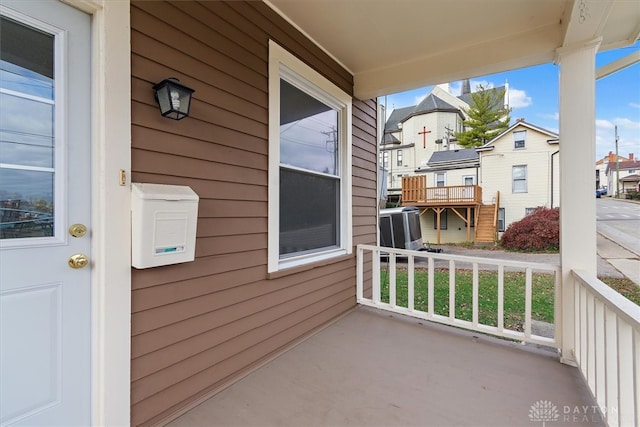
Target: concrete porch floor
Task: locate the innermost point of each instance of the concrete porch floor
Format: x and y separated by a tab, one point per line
371	368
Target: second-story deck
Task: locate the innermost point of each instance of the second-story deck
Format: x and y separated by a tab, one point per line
461	199
416	193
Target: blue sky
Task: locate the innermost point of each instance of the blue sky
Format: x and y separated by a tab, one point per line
534	97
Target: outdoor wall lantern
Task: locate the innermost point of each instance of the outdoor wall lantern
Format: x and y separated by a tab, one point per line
173	98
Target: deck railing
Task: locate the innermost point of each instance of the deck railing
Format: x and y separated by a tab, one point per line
416	192
378	286
607	348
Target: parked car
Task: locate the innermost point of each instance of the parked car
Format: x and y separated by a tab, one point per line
598	194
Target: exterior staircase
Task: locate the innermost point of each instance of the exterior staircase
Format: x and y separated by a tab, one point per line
486	224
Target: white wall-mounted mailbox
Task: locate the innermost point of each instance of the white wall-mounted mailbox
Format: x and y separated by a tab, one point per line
163	224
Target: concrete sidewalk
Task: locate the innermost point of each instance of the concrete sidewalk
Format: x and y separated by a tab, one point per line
623	260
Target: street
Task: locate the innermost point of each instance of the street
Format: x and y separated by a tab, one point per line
619	221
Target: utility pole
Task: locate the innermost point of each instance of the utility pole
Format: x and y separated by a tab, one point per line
617	164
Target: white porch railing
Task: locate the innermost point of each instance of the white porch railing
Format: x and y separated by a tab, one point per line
369	283
607	348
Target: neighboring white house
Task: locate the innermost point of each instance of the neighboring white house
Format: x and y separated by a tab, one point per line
627	173
518	170
522	165
602	180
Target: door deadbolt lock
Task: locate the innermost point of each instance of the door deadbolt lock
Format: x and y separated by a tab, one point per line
78	230
78	261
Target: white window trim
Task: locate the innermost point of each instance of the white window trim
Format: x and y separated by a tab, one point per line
473	179
524	140
282	63
526	179
444	178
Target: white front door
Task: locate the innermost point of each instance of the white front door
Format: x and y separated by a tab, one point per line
45	188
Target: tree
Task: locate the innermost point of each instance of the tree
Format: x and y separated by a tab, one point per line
487	117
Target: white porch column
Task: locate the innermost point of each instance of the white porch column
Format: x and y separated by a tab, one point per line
577	178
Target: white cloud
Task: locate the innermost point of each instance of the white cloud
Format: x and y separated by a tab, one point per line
603	124
553	116
626	123
628	137
418	99
518	98
634	105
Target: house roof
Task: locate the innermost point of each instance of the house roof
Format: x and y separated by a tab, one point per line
452	159
388	139
430	104
452	156
396	117
553	137
630	164
384	62
611	158
631	178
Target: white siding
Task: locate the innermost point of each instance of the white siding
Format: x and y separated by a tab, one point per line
496	173
456	231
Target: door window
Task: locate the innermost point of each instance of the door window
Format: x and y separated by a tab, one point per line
27	132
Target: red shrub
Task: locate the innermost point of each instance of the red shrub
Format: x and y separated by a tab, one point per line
537	231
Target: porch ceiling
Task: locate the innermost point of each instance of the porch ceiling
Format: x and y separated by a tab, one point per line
392	46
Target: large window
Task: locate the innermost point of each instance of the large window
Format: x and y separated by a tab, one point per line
309	164
399	158
519	174
440	179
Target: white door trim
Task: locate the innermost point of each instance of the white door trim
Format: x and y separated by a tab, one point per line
111	154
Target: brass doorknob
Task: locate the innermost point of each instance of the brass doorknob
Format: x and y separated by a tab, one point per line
78	261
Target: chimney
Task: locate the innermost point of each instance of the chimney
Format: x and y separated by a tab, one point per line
612	157
631	157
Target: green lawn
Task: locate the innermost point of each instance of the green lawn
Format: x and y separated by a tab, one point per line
514	295
624	286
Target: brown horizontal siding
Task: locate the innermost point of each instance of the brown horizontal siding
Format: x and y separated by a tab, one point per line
157	333
198	326
169	293
177	363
